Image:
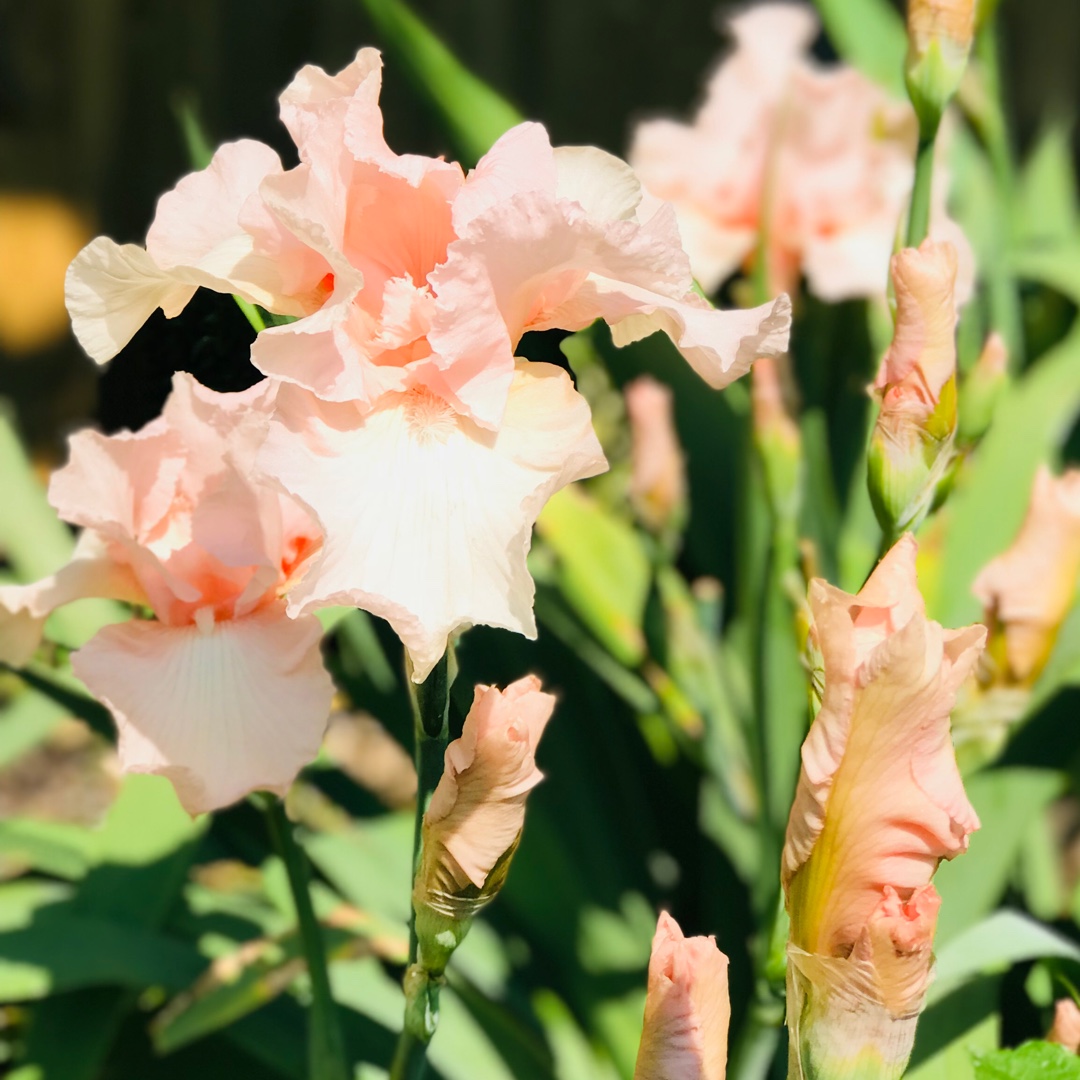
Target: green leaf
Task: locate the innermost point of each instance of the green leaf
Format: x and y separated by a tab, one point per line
870	35
1033	1061
1007	800
1057	266
25	723
474	113
952	1028
992	492
996	943
1046	203
603	570
64	950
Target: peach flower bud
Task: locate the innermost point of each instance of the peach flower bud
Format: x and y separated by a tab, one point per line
982	389
687	1011
1065	1030
658	480
474	821
1028	590
911	446
939	40
776	436
879	804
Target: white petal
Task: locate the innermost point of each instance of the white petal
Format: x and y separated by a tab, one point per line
111	290
427	516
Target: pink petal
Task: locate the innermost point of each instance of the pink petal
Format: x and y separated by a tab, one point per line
428	517
221	712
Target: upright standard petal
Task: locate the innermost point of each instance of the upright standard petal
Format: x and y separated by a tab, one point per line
195	240
687	1011
879	804
220	709
428	517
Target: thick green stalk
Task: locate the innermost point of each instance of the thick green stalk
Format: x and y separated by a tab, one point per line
1005	309
431	718
919	218
326	1045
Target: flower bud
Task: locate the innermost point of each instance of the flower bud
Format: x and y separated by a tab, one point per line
939	41
1028	590
982	389
1065	1030
658	479
879	804
474	821
687	1011
911	448
777	438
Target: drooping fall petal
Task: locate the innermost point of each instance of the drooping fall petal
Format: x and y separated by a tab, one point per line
428	517
221	709
687	1011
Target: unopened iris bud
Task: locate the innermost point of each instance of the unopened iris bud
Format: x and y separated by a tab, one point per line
911	449
879	804
777	438
474	821
939	41
982	389
658	479
1065	1030
687	1010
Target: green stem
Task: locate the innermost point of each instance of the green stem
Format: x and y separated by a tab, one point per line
1005	308
326	1045
431	726
919	218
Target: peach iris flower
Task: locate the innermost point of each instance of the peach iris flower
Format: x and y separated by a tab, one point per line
822	153
220	691
879	804
687	1010
1028	590
404	422
1065	1030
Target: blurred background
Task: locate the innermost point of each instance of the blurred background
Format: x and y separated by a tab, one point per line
90	93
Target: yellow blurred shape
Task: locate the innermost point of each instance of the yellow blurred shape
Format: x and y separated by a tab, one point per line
39	236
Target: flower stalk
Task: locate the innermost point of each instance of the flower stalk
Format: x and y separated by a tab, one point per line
326	1044
431	717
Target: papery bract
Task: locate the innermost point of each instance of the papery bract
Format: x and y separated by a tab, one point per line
687	1012
819	160
879	804
220	691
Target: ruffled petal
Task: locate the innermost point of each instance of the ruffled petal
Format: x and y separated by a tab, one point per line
24	608
238	707
428	518
111	290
